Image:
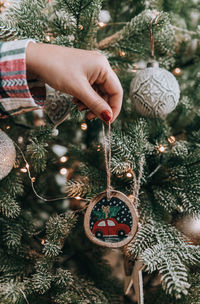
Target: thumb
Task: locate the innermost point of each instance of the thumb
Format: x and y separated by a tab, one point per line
94	102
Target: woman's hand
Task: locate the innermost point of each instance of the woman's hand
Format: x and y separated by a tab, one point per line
79	73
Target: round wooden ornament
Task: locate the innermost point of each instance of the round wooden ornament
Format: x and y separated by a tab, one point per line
111	222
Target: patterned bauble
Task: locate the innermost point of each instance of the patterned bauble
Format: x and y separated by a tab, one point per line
7	154
154	92
57	106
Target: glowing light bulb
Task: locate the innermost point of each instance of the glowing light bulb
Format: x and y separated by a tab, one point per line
101	24
8	127
177	71
84	126
77	197
63	159
80	27
171	139
42	242
20	139
129	174
48	38
122	53
63	171
161	148
23	170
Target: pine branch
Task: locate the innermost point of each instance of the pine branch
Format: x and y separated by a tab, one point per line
8	206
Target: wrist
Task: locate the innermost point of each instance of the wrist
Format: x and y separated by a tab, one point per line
31	55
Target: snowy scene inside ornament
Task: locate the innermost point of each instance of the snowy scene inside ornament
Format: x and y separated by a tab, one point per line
111	223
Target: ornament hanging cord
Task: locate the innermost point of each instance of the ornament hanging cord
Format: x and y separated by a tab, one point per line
107	153
151	39
152	36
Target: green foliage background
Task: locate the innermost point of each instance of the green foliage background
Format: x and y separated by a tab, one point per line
45	256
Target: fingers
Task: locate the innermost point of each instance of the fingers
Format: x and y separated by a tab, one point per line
104	99
93	101
113	89
91	115
82	107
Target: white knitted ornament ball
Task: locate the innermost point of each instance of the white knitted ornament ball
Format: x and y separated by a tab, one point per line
7	154
154	92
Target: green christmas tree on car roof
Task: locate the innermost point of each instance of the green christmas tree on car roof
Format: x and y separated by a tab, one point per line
104	214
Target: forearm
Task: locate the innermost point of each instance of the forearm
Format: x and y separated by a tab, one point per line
17	94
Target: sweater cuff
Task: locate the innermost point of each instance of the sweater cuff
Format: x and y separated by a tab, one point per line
17	94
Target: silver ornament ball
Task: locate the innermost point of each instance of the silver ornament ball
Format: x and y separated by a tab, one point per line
104	16
154	92
190	226
7	154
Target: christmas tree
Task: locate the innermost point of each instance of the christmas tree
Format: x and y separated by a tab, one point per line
45	255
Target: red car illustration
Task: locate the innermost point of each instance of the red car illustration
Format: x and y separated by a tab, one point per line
110	227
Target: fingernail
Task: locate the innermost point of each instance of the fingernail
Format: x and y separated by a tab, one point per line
106	116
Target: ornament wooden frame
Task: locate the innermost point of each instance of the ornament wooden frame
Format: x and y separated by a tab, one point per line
129	204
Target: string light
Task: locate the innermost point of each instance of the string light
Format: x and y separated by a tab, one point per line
32	183
20	139
63	171
23	170
177	71
98	148
63	159
84	126
129	174
80	27
8	127
33	179
122	53
42	241
161	148
47	38
171	140
38	122
77	197
101	24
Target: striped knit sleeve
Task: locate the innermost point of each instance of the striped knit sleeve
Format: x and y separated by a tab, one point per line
17	94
